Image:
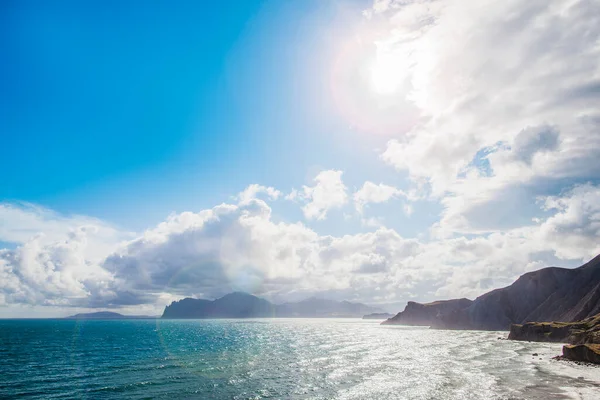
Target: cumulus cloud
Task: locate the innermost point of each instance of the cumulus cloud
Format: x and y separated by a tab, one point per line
495	73
329	192
66	272
21	222
58	259
372	193
574	229
252	191
530	141
239	247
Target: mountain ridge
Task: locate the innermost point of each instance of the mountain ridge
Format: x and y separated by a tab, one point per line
548	294
244	305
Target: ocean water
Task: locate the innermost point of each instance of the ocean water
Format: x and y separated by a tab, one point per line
279	358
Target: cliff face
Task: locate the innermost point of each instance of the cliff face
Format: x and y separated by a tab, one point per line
428	314
550	294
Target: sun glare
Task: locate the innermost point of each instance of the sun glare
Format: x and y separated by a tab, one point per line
386	75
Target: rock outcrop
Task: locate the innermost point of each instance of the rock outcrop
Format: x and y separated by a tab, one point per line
586	331
582	352
549	294
584	337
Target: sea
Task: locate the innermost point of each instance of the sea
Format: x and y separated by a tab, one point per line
277	359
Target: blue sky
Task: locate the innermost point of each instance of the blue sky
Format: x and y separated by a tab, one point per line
377	151
113	108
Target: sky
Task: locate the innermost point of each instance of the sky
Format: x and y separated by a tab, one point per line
376	152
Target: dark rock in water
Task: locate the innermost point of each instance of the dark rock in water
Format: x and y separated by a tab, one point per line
586	331
377	316
428	314
535	355
549	294
582	352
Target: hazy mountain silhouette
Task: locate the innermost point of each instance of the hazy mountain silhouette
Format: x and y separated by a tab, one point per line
107	315
378	316
244	305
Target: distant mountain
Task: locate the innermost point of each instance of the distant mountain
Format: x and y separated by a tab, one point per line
315	307
549	294
244	305
107	315
378	316
233	305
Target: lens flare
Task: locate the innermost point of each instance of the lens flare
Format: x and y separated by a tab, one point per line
386	74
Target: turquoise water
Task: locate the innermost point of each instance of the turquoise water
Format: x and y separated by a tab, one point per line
285	358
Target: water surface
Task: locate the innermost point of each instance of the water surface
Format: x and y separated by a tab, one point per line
278	358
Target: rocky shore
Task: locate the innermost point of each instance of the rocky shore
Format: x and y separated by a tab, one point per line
583	336
586	331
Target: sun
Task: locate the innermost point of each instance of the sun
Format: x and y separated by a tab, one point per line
387	73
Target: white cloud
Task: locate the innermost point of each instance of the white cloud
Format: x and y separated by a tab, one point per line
533	140
574	230
329	192
372	193
21	222
504	107
58	258
239	247
61	273
372	222
253	190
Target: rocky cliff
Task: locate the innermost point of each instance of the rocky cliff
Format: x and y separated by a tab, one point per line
428	314
549	294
